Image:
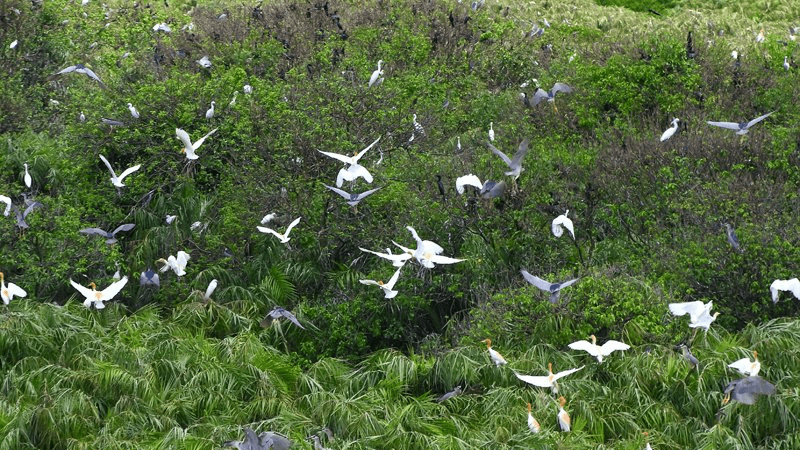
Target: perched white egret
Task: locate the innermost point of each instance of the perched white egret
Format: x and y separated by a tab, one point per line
514	164
117	180
533	424
760	36
561	222
563	418
397	260
283	237
468	180
735	54
792	285
550	96
746	390
7	201
417	126
80	68
491	131
599	351
247	89
351	160
353	173
388	288
95	297
740	127
376	75
176	263
27	177
82	117
785	63
204	62
133	111
494	355
671	130
212	286
210	111
549	380
553	288
279	313
458	144
110	237
747	367
233	100
162	27
8	292
188	147
13	44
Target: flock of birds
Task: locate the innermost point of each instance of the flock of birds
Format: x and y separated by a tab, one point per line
427	253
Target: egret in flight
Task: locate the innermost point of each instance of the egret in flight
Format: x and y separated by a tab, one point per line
353	173
8	292
541	94
388	288
95	297
671	130
188	147
110	237
117	180
176	263
284	237
398	260
747	367
792	285
553	288
468	180
80	68
740	127
599	351
351	160
514	164
549	380
561	222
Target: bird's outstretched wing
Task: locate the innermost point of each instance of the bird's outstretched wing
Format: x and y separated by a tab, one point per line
341	192
613	346
129	171
113	174
468	180
343	158
758	119
113	289
95	231
540	95
585	346
522	150
123	227
540	381
566	372
86	292
502	155
292	225
560	87
536	281
728	125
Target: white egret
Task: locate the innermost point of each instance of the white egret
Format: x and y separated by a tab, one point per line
176	263
671	130
533	424
247	89
188	147
732	238
162	27
170	218
82	117
233	100
561	222
388	288
454	393
550	96
430	259
599	351
693	309
376	75
740	127
514	164
553	288
468	180
352	199
353	173
550	380
785	64
747	367
7	201
283	237
95	297
280	313
7	292
397	260
760	36
704	321
351	160
735	54
563	418
204	62
80	68
458	144
212	286
746	390
491	131
13	44
494	355
792	285
428	253
268	218
117	180
27	177
210	111
133	111
417	127
110	237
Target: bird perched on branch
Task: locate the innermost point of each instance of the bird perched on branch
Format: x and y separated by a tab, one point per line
533	424
670	131
494	355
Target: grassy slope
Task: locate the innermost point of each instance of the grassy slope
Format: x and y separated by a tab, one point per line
185	375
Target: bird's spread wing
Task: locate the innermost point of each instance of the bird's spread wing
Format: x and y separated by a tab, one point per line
7	201
728	125
280	312
270	230
366	194
691	308
292	225
566	372
342	158
30	208
129	171
361	153
399	257
369	282
203	139
393	280
67	70
113	174
758	119
13	289
612	346
182	258
440	259
743	365
560	87
536	281
497	152
540	95
543	381
184	137
86	292
467	180
94	231
405	250
567	283
585	346
522	150
113	289
123	227
341	192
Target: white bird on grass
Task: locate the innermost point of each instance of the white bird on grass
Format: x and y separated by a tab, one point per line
95	297
671	130
549	380
283	237
785	64
388	288
792	285
210	111
533	424
376	75
188	147
553	288
494	355
740	127
212	286
133	110
176	263
563	418
747	367
8	292
117	180
561	222
599	351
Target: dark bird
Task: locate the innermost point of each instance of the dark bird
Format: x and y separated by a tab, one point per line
352	199
689	357
110	239
541	94
455	392
149	278
440	185
553	288
80	68
746	390
732	239
279	313
21	216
